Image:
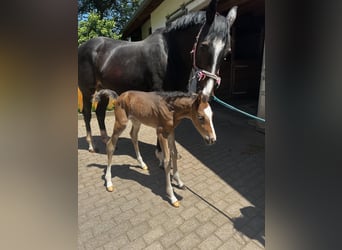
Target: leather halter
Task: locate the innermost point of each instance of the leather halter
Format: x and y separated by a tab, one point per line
201	74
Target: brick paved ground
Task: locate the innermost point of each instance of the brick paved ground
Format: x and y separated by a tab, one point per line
223	207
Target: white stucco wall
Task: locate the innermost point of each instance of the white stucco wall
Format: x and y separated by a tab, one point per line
144	29
158	16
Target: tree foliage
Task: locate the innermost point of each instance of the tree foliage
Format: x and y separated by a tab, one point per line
119	10
95	26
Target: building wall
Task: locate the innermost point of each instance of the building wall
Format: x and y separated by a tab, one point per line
158	16
145	29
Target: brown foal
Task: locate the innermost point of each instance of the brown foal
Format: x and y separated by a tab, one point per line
163	111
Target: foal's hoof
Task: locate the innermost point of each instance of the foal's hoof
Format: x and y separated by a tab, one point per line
144	167
176	204
93	150
110	189
182	187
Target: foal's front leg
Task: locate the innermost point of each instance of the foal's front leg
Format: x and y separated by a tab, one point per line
167	166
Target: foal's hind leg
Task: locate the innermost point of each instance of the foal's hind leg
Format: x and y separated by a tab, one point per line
134	137
119	126
100	115
174	154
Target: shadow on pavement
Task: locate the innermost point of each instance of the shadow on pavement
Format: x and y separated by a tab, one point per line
238	158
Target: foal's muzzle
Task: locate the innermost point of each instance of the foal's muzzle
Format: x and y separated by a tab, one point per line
209	140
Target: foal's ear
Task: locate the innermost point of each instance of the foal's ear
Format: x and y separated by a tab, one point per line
202	98
231	16
211	11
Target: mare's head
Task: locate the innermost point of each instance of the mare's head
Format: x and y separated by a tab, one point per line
212	46
202	118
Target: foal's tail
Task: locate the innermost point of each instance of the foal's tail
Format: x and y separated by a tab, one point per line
107	92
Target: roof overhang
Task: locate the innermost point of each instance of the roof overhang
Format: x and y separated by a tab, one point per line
140	16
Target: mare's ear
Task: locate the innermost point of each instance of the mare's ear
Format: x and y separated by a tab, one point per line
211	11
231	16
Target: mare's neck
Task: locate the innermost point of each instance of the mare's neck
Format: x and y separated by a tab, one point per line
180	45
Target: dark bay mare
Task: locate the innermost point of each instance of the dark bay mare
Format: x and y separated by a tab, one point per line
193	46
163	111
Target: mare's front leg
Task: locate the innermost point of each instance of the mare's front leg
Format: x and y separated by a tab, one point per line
100	115
174	156
167	165
134	137
86	111
159	154
119	126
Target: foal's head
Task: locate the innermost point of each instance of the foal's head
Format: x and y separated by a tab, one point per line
213	45
202	118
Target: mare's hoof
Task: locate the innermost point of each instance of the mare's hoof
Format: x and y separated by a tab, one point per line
176	204
144	167
110	189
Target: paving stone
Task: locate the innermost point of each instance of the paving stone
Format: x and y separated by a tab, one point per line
117	243
212	242
153	234
225	231
173	222
189	242
171	238
154	246
138	231
204	230
252	246
231	244
134	245
189	225
189	212
158	219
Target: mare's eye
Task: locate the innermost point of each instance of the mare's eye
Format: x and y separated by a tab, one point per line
201	118
205	44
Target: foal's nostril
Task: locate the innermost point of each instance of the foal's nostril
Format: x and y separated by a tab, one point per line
209	140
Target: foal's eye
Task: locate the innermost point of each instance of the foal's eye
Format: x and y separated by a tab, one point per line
201	118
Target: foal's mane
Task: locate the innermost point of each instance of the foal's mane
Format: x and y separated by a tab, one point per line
170	96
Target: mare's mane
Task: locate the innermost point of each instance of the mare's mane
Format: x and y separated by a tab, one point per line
219	27
183	22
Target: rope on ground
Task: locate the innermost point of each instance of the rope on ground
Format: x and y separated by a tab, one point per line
236	109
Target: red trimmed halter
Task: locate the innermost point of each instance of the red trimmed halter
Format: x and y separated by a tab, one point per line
201	74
